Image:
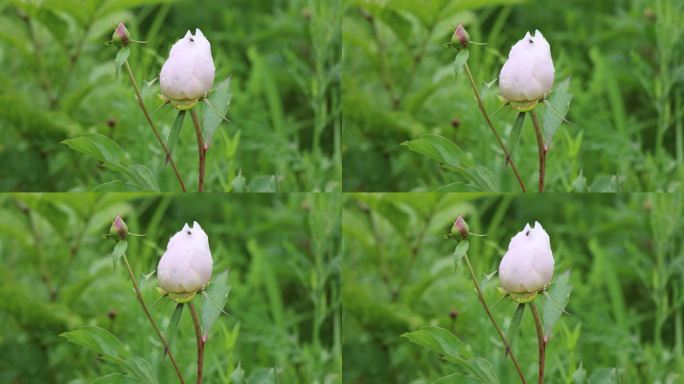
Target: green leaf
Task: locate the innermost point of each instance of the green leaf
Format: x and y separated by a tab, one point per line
515	325
481	179
100	341
439	340
555	301
215	111
460	61
213	301
556	109
121	58
141	369
175	132
114	378
110	6
438	148
173	325
515	133
605	376
100	148
143	177
483	371
119	250
460	251
455	378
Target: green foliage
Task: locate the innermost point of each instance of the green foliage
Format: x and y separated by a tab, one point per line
620	325
281	322
625	59
60	81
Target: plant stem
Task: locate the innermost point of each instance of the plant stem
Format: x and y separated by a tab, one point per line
480	296
201	149
540	339
542	149
200	342
151	124
509	159
149	317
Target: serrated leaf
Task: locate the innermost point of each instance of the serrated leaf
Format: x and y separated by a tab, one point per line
441	341
121	57
557	107
460	251
175	133
515	133
438	148
118	252
555	301
173	325
213	301
515	325
100	341
460	61
216	110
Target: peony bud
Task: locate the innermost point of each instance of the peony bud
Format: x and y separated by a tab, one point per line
528	73
121	36
119	229
527	266
460	228
186	265
188	73
460	37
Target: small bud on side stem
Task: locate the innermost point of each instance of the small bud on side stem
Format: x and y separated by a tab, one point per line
460	228
119	229
461	37
121	36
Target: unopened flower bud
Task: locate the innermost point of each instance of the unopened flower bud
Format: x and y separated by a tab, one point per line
188	73
460	228
119	229
527	266
121	36
461	37
528	73
186	265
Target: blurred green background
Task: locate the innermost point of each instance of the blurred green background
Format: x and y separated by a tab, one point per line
625	59
282	252
59	82
626	312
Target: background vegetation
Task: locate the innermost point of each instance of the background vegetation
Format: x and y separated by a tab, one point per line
625	59
59	82
283	310
626	260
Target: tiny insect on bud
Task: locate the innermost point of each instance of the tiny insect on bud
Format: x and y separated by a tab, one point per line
121	36
461	37
119	229
460	228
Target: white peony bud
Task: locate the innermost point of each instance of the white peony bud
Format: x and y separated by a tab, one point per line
527	266
188	73
528	73
186	264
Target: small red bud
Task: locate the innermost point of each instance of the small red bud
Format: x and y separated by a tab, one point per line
460	228
119	229
121	36
461	37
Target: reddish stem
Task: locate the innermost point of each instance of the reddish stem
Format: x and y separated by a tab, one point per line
200	342
201	149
